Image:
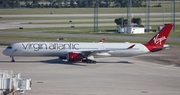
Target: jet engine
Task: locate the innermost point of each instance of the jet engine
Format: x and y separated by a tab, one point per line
74	57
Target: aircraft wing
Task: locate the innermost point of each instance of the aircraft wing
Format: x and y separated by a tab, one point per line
89	52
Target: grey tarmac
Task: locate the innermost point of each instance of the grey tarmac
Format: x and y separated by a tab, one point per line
5	25
110	76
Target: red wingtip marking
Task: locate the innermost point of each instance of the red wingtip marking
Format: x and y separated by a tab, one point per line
131	46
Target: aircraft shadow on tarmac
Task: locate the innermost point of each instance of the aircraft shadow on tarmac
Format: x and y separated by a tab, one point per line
53	61
121	62
58	61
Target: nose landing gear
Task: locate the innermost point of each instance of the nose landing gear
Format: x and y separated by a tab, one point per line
12	59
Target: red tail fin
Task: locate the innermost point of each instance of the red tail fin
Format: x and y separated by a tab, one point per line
157	42
102	40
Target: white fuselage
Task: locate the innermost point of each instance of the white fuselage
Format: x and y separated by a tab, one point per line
62	48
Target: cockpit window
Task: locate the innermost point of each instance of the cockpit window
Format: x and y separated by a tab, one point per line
9	47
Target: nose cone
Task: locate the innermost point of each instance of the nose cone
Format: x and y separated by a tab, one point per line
5	52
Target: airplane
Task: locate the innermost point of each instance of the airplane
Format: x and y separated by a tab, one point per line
88	51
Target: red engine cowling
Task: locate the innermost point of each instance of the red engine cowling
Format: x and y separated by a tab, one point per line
74	57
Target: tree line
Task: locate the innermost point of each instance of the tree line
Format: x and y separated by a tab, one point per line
67	3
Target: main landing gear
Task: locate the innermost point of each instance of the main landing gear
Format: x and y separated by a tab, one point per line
89	61
12	59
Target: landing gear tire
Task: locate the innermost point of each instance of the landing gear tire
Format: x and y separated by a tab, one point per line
94	62
84	61
12	60
90	61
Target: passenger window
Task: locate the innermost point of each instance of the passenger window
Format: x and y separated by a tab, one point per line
9	47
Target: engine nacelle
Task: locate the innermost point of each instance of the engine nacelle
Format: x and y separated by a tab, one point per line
74	57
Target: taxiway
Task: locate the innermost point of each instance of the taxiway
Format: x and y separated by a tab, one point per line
110	76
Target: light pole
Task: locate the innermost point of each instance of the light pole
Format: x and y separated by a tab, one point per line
96	16
163	10
173	14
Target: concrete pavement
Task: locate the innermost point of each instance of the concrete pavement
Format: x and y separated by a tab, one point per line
111	76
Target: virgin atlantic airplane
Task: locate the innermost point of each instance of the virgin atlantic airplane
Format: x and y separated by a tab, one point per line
86	51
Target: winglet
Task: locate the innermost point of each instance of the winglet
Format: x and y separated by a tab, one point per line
157	42
131	46
102	40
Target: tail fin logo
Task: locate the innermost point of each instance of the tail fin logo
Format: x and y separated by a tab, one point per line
158	40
